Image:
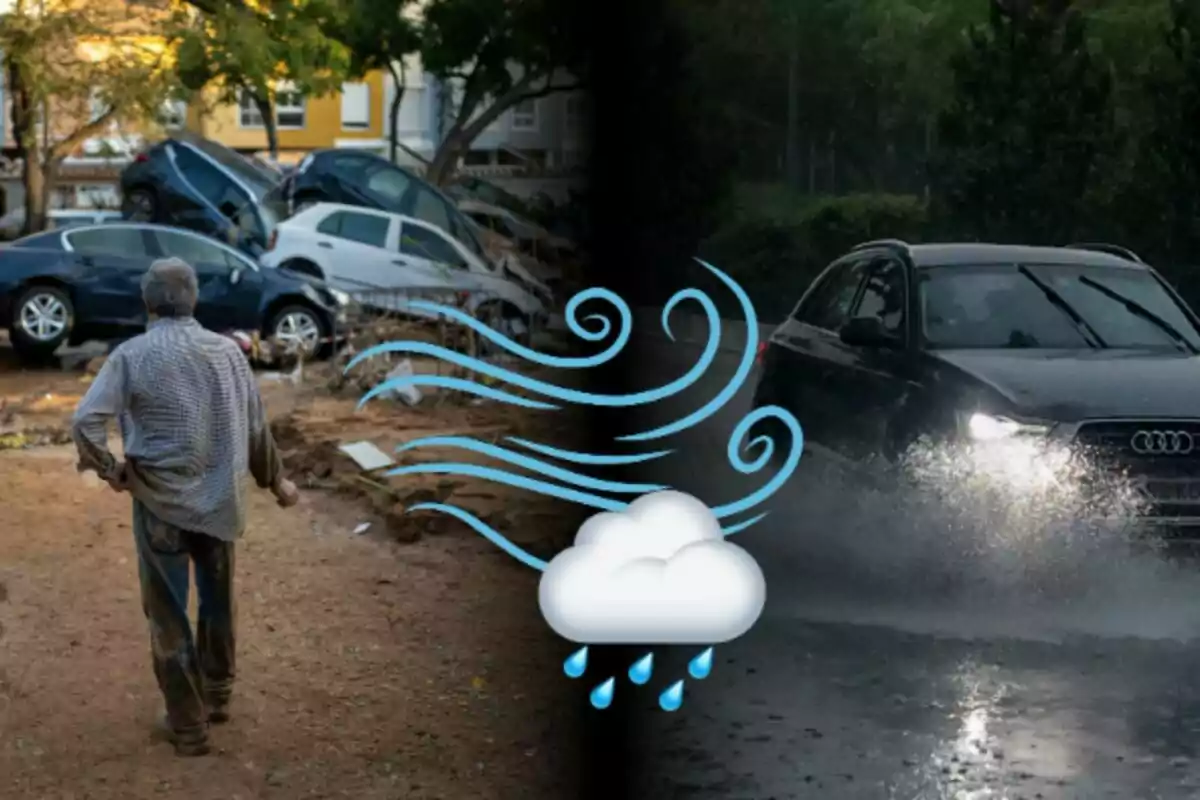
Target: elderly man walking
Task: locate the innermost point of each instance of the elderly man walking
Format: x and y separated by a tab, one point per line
192	423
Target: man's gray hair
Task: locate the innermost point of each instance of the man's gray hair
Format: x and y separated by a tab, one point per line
170	289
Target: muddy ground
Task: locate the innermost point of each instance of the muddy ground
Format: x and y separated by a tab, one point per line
406	662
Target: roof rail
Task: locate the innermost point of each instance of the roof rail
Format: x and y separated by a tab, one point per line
891	244
1111	249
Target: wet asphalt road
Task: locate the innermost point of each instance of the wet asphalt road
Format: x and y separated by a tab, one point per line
871	675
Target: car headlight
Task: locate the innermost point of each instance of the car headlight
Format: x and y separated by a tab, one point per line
990	427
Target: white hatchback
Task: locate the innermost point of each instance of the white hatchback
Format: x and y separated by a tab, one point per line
384	260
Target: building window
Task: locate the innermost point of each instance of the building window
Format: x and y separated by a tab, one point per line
525	116
574	110
289	109
356	106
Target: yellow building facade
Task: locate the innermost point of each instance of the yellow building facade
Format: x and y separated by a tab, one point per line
352	117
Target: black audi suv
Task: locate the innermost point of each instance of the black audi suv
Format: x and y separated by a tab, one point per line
1083	349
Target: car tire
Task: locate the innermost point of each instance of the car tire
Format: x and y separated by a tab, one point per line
43	318
140	205
304	267
302	322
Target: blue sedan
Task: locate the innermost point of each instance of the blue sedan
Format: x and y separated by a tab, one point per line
70	286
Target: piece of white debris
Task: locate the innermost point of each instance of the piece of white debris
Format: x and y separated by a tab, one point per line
407	394
366	455
362	528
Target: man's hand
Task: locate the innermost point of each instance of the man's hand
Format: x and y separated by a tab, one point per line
286	493
118	478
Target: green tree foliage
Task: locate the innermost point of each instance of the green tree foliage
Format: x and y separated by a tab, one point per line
241	48
498	53
73	70
1030	118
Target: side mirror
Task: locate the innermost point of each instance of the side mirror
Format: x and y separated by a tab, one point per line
235	276
866	332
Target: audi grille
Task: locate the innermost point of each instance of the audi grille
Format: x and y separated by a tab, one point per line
1160	459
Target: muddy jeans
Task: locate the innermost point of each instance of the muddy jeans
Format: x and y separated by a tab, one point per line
192	671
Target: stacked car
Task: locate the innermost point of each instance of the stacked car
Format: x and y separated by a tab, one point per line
282	252
379	231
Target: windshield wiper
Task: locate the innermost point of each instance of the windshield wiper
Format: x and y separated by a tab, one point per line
1140	310
1089	333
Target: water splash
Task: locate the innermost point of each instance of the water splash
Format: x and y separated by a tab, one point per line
576	663
642	669
745	455
672	698
602	695
701	666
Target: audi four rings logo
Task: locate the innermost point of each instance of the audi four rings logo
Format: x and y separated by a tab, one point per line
1162	443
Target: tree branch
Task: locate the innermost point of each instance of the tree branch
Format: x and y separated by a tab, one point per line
64	146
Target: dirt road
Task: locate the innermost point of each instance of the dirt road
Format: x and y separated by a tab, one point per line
366	668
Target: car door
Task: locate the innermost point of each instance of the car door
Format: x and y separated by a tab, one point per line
225	302
430	261
356	255
112	260
214	198
869	385
807	350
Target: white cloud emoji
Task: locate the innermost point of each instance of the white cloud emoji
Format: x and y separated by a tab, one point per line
659	572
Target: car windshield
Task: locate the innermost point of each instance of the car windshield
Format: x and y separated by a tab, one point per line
1006	306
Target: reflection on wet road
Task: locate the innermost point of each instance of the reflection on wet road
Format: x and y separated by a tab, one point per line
893	663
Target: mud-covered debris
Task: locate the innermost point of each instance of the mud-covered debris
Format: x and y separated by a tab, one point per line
402	526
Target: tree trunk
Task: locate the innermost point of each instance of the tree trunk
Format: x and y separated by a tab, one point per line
266	109
792	143
394	110
37	193
445	161
462	132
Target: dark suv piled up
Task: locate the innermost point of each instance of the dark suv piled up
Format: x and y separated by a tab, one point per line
195	183
1085	347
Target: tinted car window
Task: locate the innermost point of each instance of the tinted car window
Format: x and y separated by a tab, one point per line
214	185
109	241
257	176
424	243
428	207
828	306
386	183
363	228
999	307
194	250
883	295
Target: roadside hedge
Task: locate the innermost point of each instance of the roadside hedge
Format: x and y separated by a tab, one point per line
774	254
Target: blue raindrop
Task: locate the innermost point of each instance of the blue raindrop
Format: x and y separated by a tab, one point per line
642	669
700	666
576	663
672	698
602	695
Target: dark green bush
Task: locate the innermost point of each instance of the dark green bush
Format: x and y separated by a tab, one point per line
774	256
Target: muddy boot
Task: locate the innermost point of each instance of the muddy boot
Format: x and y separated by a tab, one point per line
194	744
218	712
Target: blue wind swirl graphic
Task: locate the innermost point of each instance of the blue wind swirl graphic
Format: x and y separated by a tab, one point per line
564	480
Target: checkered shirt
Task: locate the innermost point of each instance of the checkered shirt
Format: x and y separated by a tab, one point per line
192	423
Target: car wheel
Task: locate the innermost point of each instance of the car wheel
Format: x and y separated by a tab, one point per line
303	266
43	317
299	328
140	205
